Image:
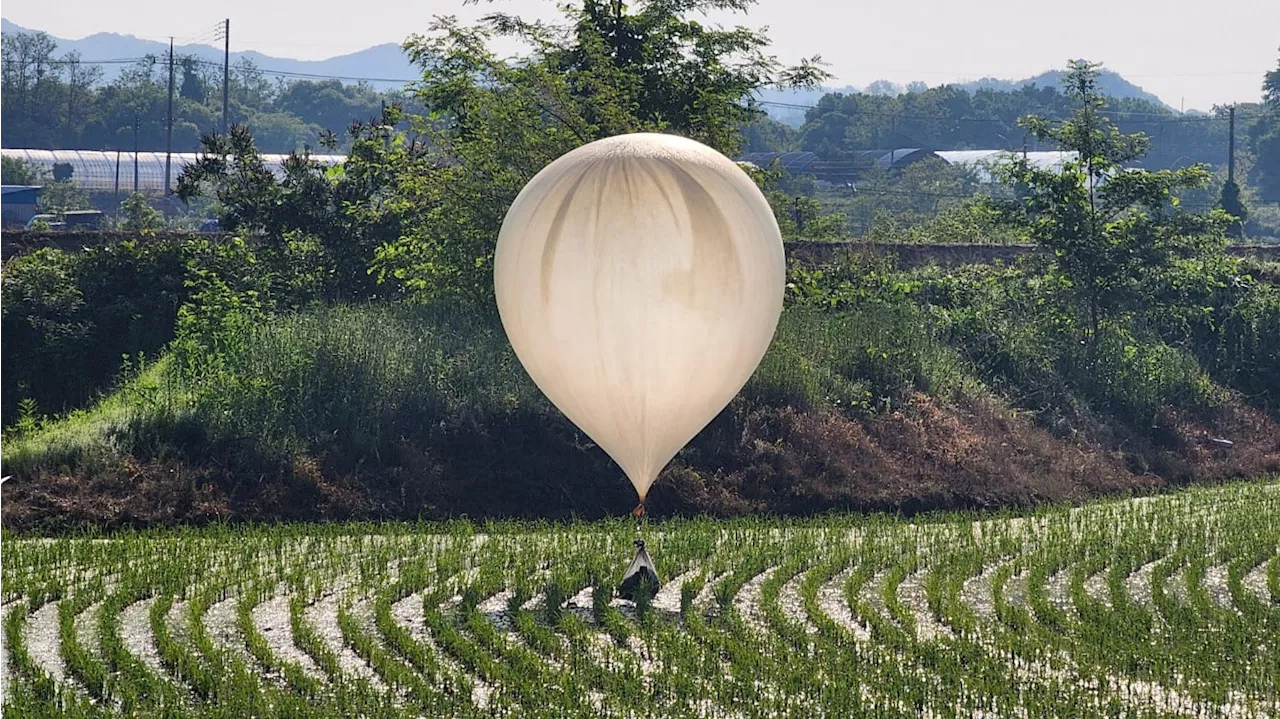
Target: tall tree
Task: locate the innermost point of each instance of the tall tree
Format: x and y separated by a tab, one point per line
607	69
1231	203
79	87
1271	86
1266	140
1266	167
193	86
340	213
249	86
1115	232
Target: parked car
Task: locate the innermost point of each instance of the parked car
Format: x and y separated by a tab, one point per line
86	219
45	221
209	225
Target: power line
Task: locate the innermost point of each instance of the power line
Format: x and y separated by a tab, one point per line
316	76
1125	114
217	65
861	192
305	75
349	78
1129	116
1121	114
113	61
204	39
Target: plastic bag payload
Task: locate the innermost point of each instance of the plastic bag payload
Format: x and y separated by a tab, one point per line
641	576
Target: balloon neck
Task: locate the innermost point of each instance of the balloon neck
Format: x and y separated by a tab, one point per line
638	512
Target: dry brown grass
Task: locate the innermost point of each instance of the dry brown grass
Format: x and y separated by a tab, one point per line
974	454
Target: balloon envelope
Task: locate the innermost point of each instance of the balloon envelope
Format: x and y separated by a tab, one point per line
639	279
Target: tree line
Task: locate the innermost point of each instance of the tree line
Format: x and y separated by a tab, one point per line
60	101
949	117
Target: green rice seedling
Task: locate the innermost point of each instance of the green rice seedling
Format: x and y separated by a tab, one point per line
294	675
1151	608
81	662
395	674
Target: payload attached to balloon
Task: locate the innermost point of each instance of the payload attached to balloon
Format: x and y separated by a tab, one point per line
639	279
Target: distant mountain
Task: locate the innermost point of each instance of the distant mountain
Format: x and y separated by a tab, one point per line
1110	82
386	61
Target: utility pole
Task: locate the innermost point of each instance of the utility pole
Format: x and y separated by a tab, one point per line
135	151
1231	144
168	133
226	69
117	178
386	141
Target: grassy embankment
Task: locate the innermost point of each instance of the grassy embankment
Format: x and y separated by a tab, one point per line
883	390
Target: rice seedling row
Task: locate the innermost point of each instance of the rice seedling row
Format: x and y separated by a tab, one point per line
1157	607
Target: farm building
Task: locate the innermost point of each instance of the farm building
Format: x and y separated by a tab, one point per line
796	163
892	159
18	204
98	171
843	170
980	161
983	162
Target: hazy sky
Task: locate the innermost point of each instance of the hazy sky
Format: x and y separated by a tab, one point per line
1197	52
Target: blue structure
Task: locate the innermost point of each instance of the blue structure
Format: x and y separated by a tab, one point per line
18	203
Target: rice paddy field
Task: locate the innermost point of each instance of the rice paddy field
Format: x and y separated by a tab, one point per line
1157	607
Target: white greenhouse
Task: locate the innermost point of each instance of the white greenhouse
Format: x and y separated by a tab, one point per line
983	162
98	171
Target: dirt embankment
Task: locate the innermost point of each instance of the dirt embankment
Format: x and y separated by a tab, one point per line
925	457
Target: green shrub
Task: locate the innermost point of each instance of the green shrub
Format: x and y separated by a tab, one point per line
974	221
866	356
358	383
1010	324
1239	343
1134	379
1015	327
68	319
137	214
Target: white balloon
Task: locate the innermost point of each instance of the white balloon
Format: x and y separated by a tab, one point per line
640	279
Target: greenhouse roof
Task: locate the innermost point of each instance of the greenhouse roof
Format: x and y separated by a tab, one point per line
99	171
983	161
795	162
